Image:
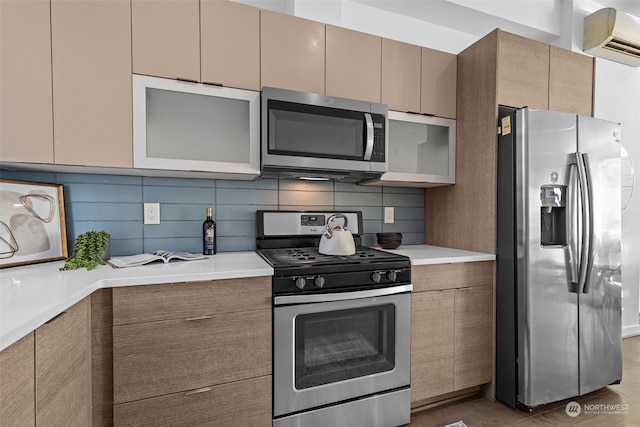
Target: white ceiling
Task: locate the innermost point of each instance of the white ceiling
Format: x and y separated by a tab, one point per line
453	25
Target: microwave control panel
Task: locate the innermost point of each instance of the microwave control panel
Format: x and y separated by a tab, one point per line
378	154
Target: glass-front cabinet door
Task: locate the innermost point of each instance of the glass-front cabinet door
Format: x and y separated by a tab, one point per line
189	126
421	151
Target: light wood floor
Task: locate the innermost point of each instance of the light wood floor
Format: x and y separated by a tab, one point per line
479	411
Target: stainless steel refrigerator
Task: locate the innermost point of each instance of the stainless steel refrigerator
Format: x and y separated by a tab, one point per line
558	251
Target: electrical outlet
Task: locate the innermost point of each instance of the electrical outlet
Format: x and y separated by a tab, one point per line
152	213
388	214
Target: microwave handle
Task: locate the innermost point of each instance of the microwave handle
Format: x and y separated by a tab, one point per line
369	148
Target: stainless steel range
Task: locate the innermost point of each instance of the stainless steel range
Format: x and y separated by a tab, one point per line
341	326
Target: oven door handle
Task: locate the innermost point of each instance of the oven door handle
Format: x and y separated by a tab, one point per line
340	296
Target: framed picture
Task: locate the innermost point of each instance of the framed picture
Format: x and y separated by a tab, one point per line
32	227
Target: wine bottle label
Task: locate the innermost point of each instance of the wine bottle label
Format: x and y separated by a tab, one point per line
209	239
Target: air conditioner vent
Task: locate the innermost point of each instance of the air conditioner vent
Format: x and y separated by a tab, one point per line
614	35
623	47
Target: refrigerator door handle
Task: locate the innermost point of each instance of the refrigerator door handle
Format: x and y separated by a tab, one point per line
571	250
588	226
586	214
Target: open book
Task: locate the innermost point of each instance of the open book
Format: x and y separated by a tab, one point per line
141	259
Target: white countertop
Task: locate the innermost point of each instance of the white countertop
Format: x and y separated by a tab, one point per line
427	254
34	294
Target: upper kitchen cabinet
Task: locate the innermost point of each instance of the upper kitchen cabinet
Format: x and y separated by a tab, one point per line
438	92
91	51
523	72
230	44
166	38
189	126
500	68
570	81
421	151
353	64
401	76
26	134
292	52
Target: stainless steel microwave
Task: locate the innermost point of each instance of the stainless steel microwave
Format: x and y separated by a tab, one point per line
312	136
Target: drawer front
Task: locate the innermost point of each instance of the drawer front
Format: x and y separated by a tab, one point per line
451	276
158	358
136	304
244	403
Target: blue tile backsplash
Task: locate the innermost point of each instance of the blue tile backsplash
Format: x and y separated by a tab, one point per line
115	203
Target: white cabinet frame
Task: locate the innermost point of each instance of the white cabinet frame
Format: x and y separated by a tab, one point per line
410	179
220	169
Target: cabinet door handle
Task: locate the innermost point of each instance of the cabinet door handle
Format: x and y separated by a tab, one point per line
465	289
198	391
191	319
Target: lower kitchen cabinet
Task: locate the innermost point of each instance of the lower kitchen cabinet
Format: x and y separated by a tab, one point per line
63	368
473	344
17	405
243	403
451	329
193	353
432	348
102	358
157	358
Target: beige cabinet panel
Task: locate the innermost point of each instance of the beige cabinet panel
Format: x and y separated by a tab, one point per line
170	301
17	407
242	403
523	72
353	64
432	344
63	368
166	38
570	82
157	358
292	52
473	336
26	133
230	44
401	76
438	91
91	50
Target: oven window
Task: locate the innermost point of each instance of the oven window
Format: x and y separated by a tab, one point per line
339	345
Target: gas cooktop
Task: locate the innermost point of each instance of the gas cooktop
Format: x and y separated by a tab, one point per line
309	256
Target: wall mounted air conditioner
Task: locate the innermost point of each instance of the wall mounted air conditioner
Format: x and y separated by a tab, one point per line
614	35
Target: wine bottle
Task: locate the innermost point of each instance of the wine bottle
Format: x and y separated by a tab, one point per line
209	234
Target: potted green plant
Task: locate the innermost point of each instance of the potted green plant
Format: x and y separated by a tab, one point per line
88	250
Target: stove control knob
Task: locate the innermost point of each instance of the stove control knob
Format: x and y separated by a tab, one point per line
376	276
319	281
392	275
301	282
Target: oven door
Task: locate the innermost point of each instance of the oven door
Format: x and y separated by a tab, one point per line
333	347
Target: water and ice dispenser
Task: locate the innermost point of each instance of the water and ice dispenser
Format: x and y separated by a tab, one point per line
553	219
